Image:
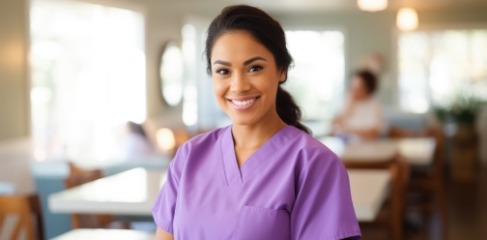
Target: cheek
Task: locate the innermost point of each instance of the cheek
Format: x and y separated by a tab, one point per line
218	88
363	92
270	88
356	90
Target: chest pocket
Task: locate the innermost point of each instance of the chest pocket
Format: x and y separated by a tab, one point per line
258	223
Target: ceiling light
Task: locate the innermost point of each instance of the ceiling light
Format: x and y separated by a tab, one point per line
407	19
372	5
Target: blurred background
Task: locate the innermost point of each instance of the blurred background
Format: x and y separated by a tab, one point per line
115	84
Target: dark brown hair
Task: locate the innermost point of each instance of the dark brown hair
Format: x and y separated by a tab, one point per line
269	33
369	79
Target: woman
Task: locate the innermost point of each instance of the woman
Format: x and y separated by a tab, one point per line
135	143
362	114
263	177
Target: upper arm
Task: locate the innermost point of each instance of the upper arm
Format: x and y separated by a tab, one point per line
164	207
163	235
323	208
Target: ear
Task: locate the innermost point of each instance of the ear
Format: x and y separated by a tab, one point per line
282	75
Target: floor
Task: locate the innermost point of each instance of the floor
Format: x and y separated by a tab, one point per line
468	208
467	215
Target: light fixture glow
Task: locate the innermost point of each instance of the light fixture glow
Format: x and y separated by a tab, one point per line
165	139
372	5
407	19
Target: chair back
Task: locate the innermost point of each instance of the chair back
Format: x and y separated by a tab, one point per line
20	215
435	132
78	177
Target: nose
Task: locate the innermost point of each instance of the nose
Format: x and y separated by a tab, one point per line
239	83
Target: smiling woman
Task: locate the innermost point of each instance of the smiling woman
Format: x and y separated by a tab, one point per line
245	79
263	177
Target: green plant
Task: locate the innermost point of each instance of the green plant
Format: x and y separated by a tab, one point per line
463	109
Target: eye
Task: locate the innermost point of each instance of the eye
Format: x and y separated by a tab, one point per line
222	71
255	68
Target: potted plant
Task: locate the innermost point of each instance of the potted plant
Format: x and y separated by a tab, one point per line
462	112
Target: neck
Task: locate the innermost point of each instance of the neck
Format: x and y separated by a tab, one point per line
254	136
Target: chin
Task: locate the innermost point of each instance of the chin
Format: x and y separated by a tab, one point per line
241	120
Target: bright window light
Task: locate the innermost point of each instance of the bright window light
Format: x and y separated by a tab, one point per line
437	66
317	79
88	77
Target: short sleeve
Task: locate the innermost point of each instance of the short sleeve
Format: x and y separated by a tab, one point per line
165	204
323	208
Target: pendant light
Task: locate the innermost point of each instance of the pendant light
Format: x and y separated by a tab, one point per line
407	19
372	5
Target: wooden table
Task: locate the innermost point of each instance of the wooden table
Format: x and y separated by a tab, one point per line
393	154
417	151
133	192
380	152
105	234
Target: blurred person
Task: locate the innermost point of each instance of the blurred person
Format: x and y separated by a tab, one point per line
361	116
264	176
135	142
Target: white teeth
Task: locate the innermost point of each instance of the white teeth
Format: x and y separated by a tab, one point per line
243	103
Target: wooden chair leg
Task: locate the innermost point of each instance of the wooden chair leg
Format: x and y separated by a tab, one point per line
400	174
35	202
440	196
75	222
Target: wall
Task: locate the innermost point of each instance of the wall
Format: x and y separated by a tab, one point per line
15	158
164	22
376	32
366	33
14	84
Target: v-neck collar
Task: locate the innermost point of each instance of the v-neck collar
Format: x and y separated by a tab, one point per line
235	174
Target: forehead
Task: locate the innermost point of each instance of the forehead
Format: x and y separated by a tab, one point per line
238	46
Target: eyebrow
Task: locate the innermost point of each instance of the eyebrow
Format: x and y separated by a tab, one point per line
247	62
254	59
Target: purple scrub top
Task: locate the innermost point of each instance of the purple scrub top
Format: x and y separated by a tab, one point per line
293	187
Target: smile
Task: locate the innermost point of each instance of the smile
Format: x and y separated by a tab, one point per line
243	103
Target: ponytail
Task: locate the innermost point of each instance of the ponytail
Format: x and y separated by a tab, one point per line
288	110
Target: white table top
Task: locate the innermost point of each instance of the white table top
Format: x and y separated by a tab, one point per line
415	150
133	192
370	188
104	234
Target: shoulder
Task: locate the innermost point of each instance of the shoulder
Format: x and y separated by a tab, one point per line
204	139
309	150
373	101
314	163
198	144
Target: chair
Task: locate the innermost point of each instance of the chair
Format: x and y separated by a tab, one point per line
21	214
391	214
426	189
80	176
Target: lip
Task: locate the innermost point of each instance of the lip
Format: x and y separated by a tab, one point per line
242	103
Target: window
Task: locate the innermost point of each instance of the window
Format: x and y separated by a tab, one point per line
88	77
317	79
437	66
